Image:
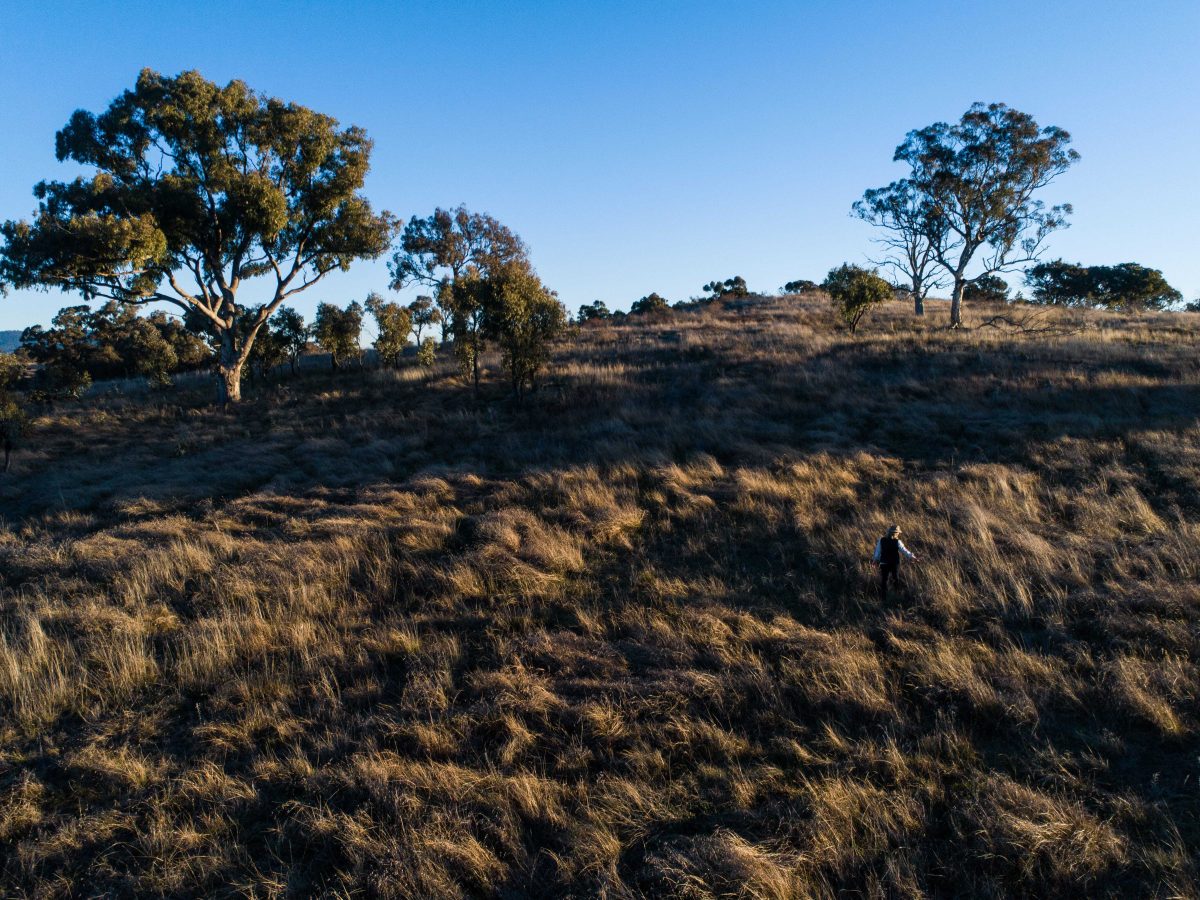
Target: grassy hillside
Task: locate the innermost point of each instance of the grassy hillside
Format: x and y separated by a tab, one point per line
367	637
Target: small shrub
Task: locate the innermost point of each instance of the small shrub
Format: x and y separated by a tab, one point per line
988	288
730	287
854	290
595	311
651	303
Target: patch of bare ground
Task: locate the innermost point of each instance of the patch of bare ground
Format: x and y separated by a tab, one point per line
369	637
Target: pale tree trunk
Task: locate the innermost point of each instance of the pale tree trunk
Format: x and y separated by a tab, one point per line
918	298
230	363
229	370
231	384
956	301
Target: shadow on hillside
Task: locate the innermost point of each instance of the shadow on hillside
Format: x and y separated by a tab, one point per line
931	408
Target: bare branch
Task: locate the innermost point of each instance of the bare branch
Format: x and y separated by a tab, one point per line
1029	324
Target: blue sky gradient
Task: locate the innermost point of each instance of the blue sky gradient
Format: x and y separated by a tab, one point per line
643	147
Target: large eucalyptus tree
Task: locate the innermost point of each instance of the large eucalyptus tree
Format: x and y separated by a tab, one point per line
976	181
193	189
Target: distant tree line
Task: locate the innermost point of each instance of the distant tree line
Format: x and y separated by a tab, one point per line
654	304
1127	286
83	344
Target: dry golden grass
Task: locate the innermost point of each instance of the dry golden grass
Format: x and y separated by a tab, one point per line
368	637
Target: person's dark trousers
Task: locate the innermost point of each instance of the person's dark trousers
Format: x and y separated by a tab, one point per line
887	571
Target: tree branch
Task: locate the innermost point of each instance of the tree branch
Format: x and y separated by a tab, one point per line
1032	323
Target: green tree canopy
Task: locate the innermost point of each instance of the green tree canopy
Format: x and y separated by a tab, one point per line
449	245
854	290
424	314
427	353
730	287
337	331
14	421
271	348
83	344
1127	286
293	332
523	317
596	311
12	370
461	255
195	188
651	303
464	300
989	288
393	323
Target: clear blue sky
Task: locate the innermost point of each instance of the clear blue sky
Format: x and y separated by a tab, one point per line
652	146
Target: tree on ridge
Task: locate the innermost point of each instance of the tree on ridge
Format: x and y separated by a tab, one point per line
976	181
854	291
197	188
449	245
523	317
898	210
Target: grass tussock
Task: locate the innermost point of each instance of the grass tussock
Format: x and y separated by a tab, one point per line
368	636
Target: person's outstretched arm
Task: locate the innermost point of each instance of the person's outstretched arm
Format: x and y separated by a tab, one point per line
908	553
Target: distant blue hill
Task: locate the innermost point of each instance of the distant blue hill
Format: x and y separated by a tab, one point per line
9	341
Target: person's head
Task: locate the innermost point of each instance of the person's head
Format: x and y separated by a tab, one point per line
893	531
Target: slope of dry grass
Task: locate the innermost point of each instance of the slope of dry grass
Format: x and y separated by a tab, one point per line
366	637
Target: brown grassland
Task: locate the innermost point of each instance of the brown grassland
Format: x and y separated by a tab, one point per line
368	637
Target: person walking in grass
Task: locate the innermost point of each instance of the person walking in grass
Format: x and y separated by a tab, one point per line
888	550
